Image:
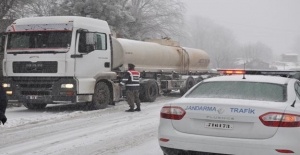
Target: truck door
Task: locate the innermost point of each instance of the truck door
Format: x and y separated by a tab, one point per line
92	57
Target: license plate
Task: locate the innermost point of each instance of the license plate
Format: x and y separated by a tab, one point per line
32	97
215	125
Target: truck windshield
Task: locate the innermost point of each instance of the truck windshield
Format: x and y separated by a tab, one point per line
42	40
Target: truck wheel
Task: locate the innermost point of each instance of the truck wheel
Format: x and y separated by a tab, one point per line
149	91
101	97
189	83
34	106
199	79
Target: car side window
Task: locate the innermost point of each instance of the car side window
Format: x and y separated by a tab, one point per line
297	89
101	41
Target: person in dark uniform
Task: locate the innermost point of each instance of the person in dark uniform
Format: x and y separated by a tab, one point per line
131	79
3	104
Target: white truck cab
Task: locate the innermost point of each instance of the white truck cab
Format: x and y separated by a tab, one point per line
50	60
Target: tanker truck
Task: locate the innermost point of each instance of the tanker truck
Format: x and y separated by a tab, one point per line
69	59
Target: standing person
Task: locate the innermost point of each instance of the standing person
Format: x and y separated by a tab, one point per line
131	80
3	104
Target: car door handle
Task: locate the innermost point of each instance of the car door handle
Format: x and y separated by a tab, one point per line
76	56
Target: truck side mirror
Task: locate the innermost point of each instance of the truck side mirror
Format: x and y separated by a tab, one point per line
87	42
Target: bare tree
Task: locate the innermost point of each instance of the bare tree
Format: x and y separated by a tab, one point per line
67	7
216	40
39	8
136	19
27	8
114	12
156	18
258	51
5	6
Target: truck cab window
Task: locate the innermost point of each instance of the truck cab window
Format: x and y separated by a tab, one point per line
101	41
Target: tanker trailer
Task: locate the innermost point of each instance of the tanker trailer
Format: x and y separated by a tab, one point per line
164	65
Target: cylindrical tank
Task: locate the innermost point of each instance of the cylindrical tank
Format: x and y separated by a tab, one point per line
154	57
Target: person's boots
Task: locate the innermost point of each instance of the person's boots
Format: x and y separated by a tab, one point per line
137	109
130	110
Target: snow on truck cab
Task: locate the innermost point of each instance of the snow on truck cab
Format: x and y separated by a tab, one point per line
49	60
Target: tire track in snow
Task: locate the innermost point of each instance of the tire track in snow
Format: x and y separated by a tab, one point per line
91	133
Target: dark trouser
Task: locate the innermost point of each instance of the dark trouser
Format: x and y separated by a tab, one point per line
3	105
132	96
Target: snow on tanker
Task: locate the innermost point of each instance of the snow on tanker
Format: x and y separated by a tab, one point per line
49	60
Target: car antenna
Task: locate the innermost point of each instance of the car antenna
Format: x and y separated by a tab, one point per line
293	105
244	71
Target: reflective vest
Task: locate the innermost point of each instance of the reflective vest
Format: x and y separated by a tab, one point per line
132	79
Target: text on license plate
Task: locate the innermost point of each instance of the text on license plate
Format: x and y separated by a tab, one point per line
32	97
215	125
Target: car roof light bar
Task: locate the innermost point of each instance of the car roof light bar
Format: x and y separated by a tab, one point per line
283	73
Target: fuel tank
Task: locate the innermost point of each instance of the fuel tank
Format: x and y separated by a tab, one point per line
157	56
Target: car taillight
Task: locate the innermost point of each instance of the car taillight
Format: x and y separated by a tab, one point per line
275	119
172	112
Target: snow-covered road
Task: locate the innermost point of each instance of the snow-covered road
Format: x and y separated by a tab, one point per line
65	129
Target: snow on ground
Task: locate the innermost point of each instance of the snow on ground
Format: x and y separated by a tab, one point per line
67	129
285	65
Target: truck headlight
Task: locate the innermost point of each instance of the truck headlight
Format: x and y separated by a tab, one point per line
67	86
9	92
5	85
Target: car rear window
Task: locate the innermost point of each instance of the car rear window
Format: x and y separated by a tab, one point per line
240	90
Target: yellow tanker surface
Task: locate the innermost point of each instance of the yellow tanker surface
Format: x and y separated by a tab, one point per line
155	57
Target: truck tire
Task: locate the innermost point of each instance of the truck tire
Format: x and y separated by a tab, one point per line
101	97
36	106
199	79
189	83
149	91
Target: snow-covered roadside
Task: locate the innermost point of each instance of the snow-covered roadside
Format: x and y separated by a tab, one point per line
107	131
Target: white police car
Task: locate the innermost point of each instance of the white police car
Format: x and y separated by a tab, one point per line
255	115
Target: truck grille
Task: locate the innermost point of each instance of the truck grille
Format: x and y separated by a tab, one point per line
30	79
40	93
35	67
35	85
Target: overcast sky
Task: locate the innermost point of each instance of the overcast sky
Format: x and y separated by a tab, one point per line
273	22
